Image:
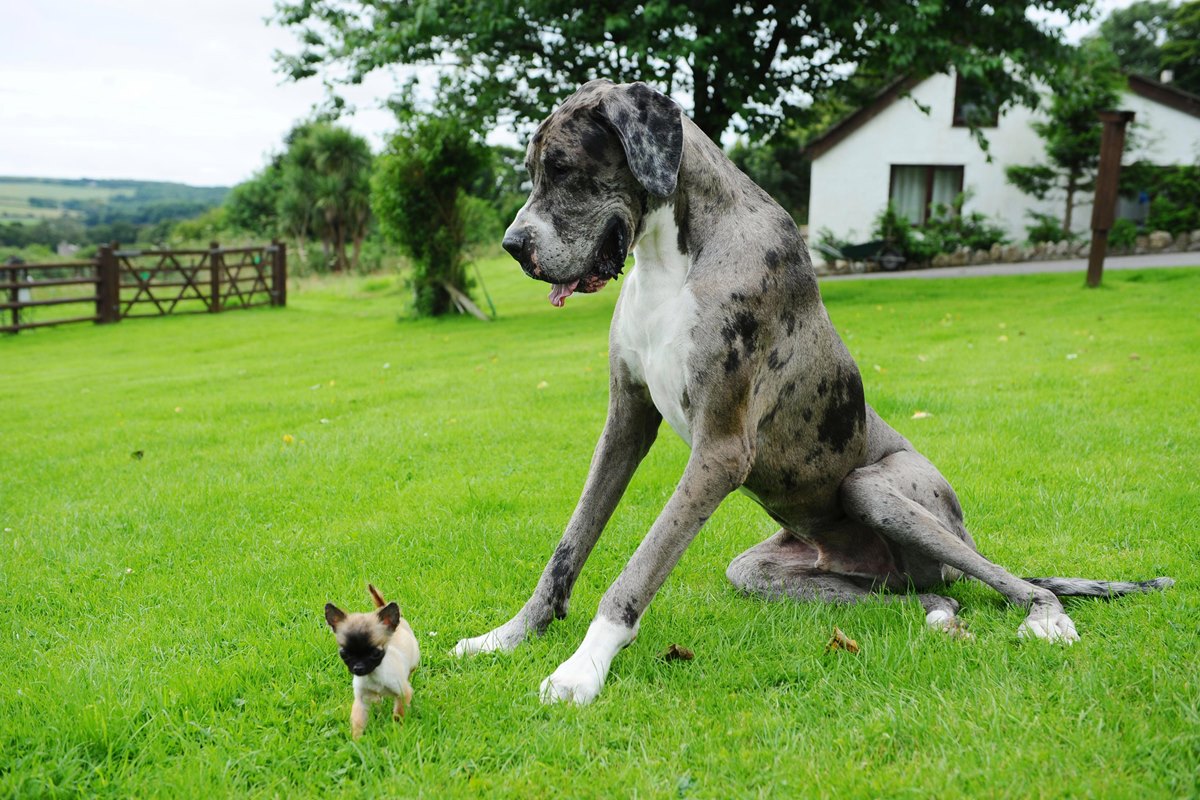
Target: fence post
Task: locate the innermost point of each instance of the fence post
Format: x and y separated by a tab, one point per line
1108	176
108	285
214	277
14	277
279	274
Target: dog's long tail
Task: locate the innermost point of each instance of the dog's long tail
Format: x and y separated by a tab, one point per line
376	596
1081	587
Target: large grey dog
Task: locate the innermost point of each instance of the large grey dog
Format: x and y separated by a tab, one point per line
720	330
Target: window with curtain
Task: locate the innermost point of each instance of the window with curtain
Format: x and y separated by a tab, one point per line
918	190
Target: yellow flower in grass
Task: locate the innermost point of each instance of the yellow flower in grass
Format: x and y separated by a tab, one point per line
288	438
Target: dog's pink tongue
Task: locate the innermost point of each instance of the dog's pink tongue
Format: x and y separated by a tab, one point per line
560	293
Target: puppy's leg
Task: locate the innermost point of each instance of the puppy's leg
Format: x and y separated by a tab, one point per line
400	707
629	431
875	496
714	469
358	717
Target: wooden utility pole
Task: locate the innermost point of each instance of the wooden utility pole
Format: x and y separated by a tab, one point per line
1104	209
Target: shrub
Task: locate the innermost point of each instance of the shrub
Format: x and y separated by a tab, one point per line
1123	234
948	231
1045	228
1174	194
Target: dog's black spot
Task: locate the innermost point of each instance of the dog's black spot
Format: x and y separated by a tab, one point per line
807	414
935	493
789	480
560	580
681	224
789	388
732	361
822	387
774	362
914	486
772	259
789	322
630	615
845	413
685	402
743	327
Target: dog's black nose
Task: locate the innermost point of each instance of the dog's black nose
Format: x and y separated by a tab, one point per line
517	244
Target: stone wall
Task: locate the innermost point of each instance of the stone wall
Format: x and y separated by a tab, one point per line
1155	242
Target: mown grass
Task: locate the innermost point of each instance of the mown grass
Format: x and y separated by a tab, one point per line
162	631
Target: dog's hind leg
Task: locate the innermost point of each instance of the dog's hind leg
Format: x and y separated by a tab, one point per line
881	497
786	566
629	430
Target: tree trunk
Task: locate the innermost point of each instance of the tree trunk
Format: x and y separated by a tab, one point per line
1071	183
358	242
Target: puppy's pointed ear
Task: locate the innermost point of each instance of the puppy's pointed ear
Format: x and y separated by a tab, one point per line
650	127
334	615
389	615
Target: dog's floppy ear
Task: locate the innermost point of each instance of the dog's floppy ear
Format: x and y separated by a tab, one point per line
334	615
389	615
650	127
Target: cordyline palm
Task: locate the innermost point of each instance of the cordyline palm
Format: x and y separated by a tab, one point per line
342	162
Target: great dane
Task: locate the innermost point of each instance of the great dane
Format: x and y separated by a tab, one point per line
720	330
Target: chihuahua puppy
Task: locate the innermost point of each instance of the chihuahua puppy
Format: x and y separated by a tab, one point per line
380	651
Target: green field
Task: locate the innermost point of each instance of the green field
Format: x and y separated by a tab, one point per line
165	555
15	194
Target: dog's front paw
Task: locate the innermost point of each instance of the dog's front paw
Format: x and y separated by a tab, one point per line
1051	624
575	681
503	639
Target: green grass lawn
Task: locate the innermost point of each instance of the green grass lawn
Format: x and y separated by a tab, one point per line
162	627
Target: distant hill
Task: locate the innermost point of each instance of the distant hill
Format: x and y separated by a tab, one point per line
99	202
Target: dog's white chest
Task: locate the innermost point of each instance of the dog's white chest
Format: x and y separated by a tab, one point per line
654	319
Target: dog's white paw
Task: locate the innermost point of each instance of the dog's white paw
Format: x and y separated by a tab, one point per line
948	623
503	639
1053	625
577	680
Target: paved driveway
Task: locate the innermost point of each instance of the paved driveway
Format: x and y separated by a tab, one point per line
1079	265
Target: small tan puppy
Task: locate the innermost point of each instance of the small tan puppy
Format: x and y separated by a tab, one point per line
380	651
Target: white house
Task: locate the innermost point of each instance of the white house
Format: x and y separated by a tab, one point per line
892	149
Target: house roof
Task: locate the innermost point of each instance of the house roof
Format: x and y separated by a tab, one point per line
1165	94
861	116
1162	93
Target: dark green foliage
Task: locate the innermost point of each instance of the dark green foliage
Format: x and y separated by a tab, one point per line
318	188
947	231
1181	51
418	193
1123	234
1087	83
253	205
1174	194
1044	228
778	165
758	60
1135	35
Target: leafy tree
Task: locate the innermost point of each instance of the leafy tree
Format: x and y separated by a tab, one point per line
321	186
1087	84
1136	34
1181	52
418	193
779	166
342	185
758	61
253	205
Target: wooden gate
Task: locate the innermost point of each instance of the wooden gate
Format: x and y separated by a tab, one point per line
143	283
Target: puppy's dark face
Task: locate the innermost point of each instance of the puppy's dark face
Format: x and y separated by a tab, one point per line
363	638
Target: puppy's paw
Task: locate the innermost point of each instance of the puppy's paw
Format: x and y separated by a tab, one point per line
576	681
503	639
1051	624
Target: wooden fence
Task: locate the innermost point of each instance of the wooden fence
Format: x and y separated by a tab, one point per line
118	283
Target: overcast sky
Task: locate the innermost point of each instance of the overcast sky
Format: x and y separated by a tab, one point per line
158	90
